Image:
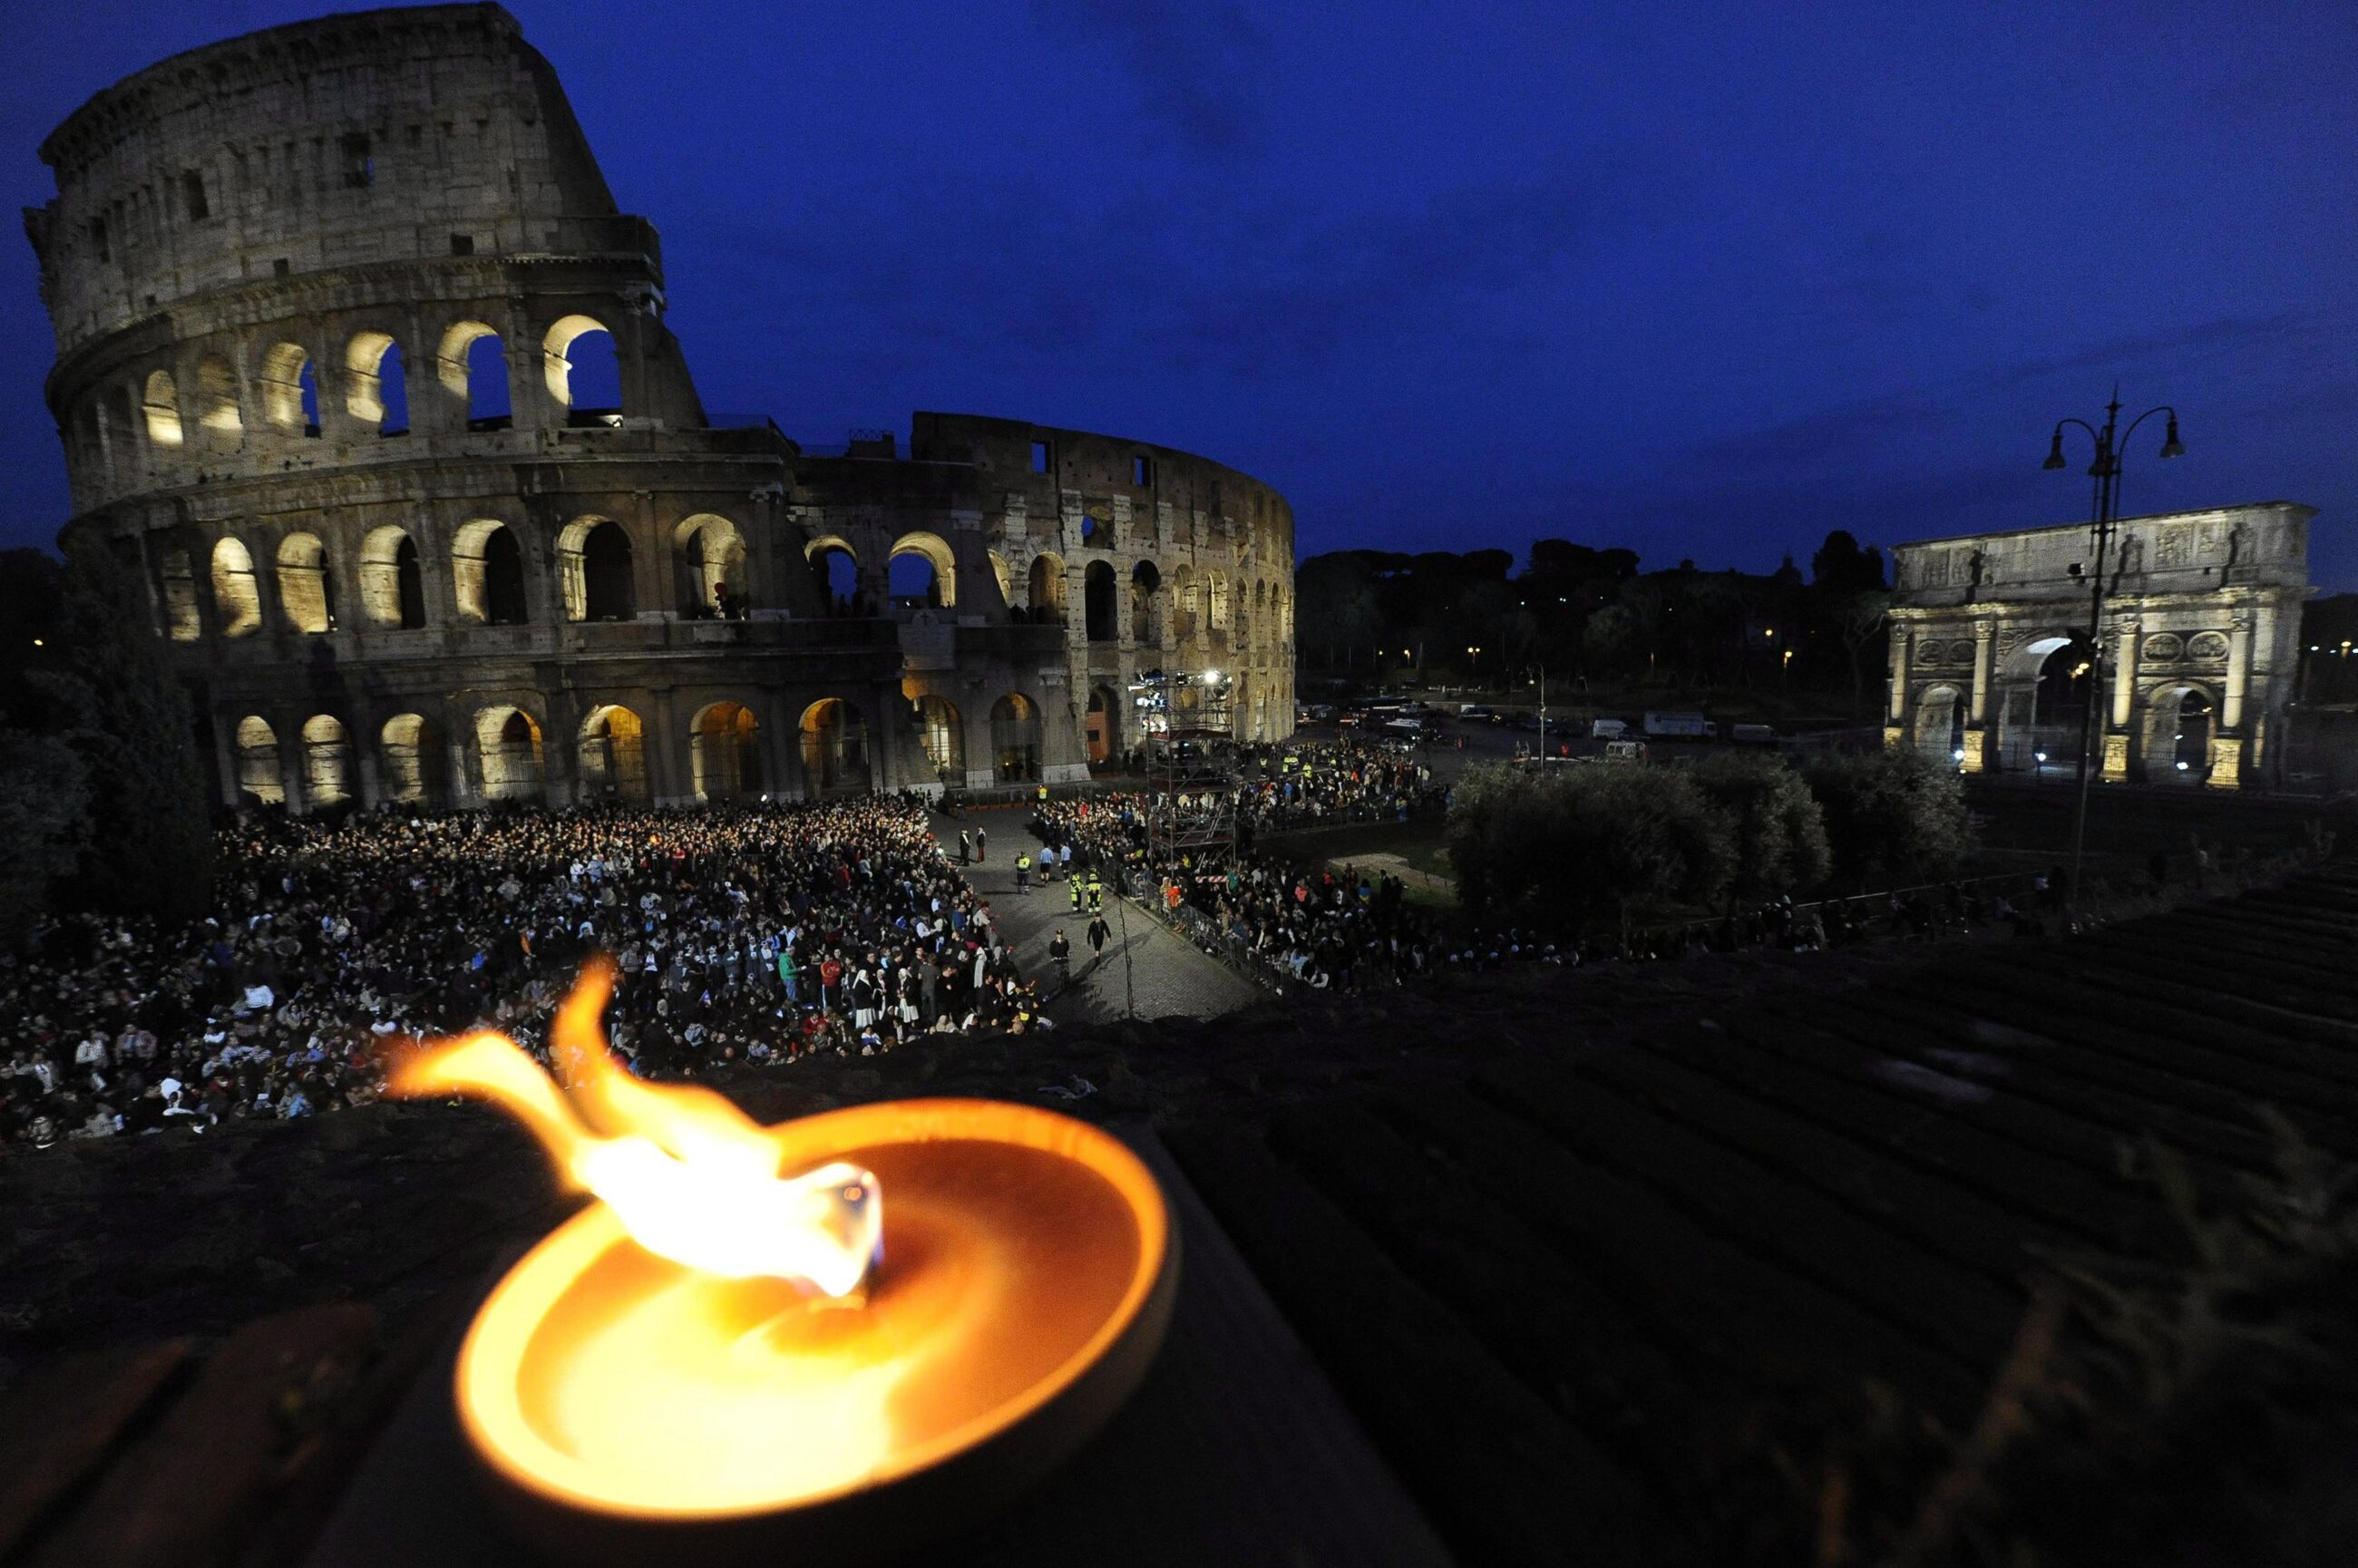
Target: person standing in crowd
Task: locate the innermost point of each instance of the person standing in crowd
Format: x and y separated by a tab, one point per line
1072	887
981	846
1047	865
966	846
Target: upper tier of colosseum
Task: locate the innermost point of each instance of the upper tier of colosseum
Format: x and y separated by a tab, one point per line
404	136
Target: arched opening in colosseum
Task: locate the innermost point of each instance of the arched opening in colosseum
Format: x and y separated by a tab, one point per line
594	571
307	589
1047	588
487	574
1242	634
583	376
86	431
1103	726
161	407
118	424
326	761
175	591
508	742
473	366
290	393
259	780
416	761
921	573
725	751
834	572
709	566
943	734
834	747
1014	739
1097	599
393	579
1145	580
613	755
237	598
217	413
376	383
1220	607
1187	606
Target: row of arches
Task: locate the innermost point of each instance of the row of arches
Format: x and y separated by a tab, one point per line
413	758
597	577
1014	738
280	390
921	572
2043	716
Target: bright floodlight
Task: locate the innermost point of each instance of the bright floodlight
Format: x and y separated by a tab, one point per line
1212	678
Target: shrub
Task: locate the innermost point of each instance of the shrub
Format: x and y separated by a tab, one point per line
1579	845
1891	816
1777	828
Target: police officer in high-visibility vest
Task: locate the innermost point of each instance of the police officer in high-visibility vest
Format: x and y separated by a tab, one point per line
1096	894
1073	886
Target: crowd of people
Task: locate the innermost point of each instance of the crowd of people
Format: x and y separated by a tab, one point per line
752	933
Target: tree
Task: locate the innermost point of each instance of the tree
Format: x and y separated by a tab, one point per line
1777	827
150	845
1859	620
1842	565
1576	846
43	823
1891	816
1335	607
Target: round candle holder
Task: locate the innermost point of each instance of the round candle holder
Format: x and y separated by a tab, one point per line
623	1408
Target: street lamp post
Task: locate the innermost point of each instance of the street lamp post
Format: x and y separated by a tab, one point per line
2106	471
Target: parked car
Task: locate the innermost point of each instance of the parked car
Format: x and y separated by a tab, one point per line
1607	729
1752	734
1473	711
1687	726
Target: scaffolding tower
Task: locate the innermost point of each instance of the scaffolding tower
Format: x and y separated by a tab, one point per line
1188	723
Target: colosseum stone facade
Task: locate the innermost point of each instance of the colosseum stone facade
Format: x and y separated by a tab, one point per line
329	300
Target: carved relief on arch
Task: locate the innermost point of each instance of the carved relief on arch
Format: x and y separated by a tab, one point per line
1961	652
2163	648
2207	647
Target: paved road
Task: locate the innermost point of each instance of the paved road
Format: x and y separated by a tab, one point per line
1146	968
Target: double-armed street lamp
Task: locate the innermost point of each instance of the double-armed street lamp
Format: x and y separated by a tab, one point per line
2106	471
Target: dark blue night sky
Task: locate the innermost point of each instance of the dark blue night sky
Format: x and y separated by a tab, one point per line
1703	281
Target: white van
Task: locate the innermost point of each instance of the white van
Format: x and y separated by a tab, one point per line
1607	729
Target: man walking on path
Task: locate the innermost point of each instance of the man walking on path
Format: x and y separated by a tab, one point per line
981	846
1022	873
1099	932
1047	865
1061	951
1096	894
966	846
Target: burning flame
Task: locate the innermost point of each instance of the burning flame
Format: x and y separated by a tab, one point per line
689	1176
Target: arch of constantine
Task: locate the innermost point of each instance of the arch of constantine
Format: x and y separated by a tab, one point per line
1990	661
372	390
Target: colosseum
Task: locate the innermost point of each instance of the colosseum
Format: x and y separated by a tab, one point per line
362	372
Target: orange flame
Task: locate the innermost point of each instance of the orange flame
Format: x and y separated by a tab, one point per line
690	1176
